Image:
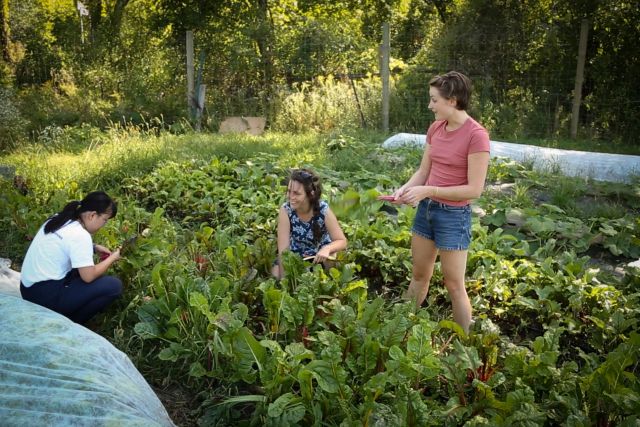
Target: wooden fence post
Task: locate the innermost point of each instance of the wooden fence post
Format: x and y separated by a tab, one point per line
577	91
384	75
191	108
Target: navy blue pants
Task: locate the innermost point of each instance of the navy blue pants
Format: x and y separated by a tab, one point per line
73	297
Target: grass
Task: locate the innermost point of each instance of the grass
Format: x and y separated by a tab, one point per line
61	169
131	153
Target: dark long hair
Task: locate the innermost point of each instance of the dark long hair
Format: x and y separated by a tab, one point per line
312	185
97	201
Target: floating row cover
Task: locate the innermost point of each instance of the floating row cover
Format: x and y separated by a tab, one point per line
598	166
54	372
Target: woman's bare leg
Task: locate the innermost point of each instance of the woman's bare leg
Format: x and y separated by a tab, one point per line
423	253
454	266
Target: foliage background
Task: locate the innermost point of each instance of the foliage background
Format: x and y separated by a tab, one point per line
302	63
555	339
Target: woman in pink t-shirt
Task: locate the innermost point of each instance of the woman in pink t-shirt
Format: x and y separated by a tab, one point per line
452	171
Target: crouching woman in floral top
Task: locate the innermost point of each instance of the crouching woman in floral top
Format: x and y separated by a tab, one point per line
306	224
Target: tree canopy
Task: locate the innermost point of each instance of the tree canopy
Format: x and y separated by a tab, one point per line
130	58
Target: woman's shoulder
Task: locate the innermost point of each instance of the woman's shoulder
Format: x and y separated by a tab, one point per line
478	137
73	227
435	127
291	213
475	126
437	124
324	207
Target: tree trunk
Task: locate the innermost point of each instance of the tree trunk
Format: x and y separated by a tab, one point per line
441	7
101	32
95	16
5	33
116	15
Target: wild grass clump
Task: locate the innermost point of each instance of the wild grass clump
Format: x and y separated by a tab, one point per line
329	104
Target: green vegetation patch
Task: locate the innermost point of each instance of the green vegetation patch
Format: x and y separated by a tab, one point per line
554	336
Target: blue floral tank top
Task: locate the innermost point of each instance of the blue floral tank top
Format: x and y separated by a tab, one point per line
301	237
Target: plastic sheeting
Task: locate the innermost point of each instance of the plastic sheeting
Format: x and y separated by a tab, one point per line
9	279
598	166
54	372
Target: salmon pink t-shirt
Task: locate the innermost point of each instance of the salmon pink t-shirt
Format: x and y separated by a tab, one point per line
449	151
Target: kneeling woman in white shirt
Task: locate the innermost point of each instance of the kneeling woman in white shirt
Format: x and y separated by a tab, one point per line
58	271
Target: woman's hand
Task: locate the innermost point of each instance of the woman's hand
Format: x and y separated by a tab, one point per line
101	250
398	193
107	254
116	255
322	255
104	253
92	272
413	195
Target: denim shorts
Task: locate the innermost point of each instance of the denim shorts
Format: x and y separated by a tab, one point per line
448	226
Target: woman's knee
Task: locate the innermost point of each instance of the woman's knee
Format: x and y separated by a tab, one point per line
275	271
110	284
456	288
420	276
422	272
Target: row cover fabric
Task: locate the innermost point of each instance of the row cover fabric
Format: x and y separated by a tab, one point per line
598	166
55	372
9	279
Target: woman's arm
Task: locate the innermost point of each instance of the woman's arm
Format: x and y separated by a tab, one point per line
420	176
92	272
284	234
478	164
101	249
338	239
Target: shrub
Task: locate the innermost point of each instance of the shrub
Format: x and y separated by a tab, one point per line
12	124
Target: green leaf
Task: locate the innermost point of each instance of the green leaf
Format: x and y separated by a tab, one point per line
305	380
396	353
449	324
393	331
197	370
247	351
146	330
249	398
419	342
200	302
369	316
330	377
288	408
467	357
171	353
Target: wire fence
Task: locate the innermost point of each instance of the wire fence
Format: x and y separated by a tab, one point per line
534	103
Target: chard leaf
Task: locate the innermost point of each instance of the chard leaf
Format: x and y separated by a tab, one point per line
288	408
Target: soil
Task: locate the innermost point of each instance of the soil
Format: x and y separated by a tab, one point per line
181	405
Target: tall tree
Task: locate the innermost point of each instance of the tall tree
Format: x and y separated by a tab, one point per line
264	41
112	10
5	33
